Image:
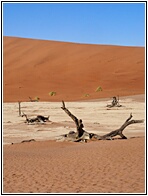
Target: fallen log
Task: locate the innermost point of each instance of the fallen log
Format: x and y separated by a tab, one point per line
82	135
39	118
31	140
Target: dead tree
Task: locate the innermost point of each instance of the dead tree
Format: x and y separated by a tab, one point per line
82	135
78	123
120	130
39	118
31	140
43	118
33	100
115	103
29	120
19	108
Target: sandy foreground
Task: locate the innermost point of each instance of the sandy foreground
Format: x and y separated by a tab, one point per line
47	166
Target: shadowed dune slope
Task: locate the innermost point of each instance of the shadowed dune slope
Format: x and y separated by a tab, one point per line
74	71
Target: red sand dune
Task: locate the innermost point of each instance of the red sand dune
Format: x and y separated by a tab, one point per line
37	67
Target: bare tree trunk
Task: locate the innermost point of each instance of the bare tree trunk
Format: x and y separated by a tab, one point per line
19	108
83	135
79	124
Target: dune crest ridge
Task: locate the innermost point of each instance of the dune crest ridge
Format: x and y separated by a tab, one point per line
74	71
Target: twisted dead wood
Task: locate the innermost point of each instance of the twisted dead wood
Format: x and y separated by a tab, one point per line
79	124
82	135
115	103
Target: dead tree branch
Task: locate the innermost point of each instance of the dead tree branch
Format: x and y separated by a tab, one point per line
39	118
78	123
82	135
120	130
33	100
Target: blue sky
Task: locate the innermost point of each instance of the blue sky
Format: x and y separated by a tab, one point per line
93	23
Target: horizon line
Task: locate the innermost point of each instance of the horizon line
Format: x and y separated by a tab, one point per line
73	42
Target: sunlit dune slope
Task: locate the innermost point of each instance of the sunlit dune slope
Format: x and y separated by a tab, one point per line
74	71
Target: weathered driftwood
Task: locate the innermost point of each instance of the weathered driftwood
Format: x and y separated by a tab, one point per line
82	135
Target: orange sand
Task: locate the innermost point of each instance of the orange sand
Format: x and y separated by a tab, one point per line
37	67
57	167
116	166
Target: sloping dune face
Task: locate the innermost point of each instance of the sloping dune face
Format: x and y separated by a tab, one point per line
34	68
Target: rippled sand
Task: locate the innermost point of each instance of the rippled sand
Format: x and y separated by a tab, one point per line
55	167
47	166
